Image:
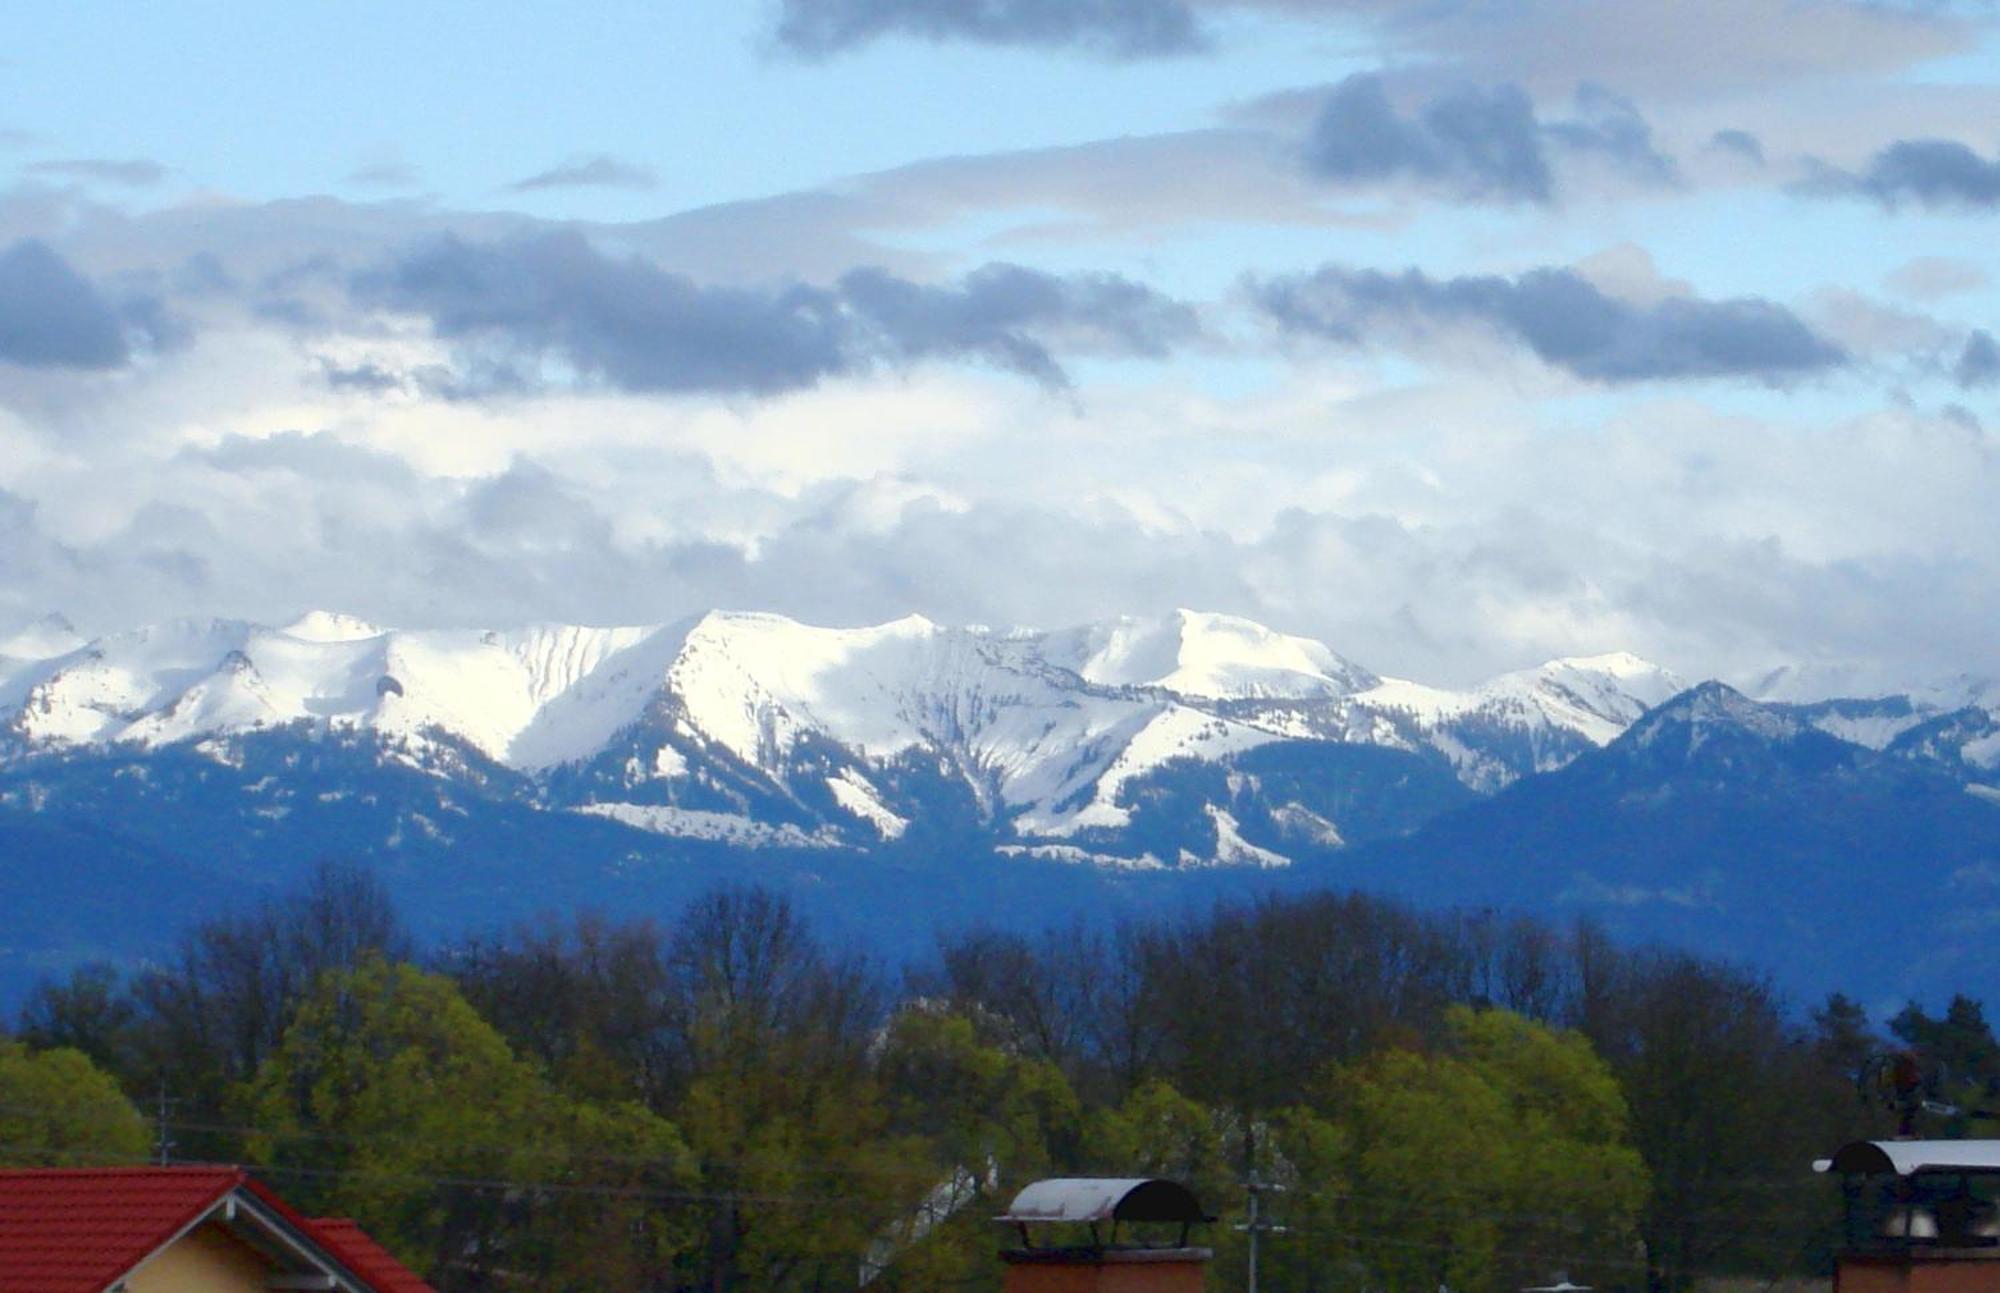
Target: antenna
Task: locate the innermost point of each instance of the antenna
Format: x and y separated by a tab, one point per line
1908	1085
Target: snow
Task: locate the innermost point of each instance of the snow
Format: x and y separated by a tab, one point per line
1206	656
1047	728
1081	856
1176	732
1596	697
1873	730
1231	849
1714	707
520	697
691	823
859	798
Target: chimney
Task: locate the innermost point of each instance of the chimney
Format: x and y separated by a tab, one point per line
1091	1235
1920	1216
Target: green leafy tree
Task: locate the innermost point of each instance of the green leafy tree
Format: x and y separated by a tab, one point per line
982	1120
389	1099
59	1109
1497	1159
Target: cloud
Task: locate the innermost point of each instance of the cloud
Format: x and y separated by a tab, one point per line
1979	363
1474	142
637	327
1483	143
53	317
1927	278
1109	28
1937	174
1660	50
999	309
1609	127
386	173
1559	315
1740	142
588	172
366	378
132	172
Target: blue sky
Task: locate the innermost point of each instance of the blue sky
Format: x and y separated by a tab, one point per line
1459	333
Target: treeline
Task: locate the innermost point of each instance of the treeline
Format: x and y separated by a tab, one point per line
724	1102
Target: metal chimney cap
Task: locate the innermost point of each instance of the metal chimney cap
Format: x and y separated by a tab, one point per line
1907	1157
1086	1199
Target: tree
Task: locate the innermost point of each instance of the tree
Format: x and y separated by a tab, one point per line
89	1012
394	1102
1493	1161
1717	1082
209	1016
57	1109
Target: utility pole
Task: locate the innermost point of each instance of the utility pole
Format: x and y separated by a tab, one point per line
1256	1226
163	1142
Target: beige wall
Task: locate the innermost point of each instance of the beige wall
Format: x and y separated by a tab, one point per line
206	1260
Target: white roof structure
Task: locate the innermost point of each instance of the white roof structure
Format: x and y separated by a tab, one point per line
1093	1199
1908	1157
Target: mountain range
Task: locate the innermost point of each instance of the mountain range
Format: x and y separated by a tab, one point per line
908	774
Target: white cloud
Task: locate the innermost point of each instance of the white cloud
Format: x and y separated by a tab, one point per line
1441	530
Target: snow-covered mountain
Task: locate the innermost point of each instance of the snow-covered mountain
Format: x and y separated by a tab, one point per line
757	728
903	775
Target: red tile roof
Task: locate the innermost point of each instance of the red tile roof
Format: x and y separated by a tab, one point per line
352	1247
75	1230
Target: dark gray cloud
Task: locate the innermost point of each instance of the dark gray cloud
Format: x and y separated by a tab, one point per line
1609	126
53	317
1563	318
1741	142
633	325
1112	28
588	173
367	378
622	321
131	172
1937	174
1979	363
1480	143
1000	312
1484	143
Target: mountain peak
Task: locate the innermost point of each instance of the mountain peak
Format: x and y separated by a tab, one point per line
1210	656
331	626
1708	711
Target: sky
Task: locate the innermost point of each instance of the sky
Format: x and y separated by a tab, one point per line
1460	334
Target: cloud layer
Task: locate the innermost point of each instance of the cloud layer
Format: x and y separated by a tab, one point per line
1939	174
1118	28
53	317
637	327
1476	142
1559	315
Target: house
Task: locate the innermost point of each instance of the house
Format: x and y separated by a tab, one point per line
177	1230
